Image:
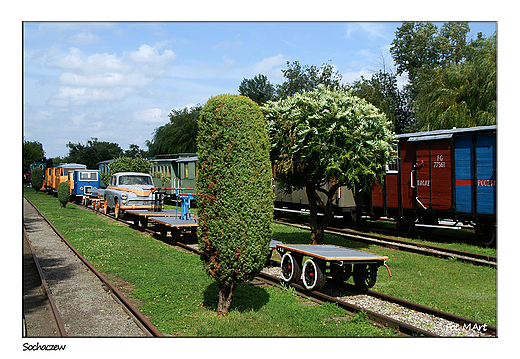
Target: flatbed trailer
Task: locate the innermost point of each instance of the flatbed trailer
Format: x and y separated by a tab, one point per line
174	224
340	263
167	220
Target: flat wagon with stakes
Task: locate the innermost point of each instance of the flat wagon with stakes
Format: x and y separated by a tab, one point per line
340	263
172	220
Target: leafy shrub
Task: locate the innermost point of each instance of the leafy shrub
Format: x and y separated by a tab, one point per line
37	178
64	194
234	192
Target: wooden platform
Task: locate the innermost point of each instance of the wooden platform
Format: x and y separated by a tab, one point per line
173	221
146	213
331	253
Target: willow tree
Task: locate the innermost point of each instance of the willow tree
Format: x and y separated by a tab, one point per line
234	192
324	139
460	94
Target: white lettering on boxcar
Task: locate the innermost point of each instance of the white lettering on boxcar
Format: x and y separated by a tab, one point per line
486	183
440	162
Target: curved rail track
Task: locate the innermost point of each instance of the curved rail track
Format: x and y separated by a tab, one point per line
375	317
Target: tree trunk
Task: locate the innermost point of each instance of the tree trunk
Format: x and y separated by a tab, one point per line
317	235
318	227
224	297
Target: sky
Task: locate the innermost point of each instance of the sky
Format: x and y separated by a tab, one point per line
118	81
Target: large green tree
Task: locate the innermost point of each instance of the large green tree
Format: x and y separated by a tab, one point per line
452	81
324	139
258	89
306	78
421	45
177	136
234	192
460	94
381	90
32	151
92	152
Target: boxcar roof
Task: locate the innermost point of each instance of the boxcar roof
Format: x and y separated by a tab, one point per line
188	159
73	165
443	134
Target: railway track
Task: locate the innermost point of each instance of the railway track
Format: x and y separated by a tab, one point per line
43	295
451	323
474	258
143	323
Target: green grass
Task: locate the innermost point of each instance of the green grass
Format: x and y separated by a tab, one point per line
179	298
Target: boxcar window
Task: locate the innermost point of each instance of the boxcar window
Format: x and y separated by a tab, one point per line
392	165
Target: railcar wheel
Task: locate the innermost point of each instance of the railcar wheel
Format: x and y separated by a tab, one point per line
405	225
340	273
164	231
291	268
313	275
365	276
485	234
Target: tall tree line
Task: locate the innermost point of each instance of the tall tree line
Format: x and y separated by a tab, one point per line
451	82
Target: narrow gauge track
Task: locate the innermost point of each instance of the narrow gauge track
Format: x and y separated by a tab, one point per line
475	258
45	288
138	317
319	297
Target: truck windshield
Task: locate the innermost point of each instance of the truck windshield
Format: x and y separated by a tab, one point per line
88	176
139	180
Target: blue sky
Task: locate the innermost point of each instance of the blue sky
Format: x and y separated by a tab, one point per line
118	81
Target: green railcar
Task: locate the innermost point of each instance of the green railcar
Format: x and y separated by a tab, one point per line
175	171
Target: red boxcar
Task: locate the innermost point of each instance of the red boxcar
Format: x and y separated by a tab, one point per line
423	185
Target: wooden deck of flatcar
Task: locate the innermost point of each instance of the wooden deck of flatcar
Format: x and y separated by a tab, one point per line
147	214
173	221
332	253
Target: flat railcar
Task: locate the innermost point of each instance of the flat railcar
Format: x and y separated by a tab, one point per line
322	261
442	175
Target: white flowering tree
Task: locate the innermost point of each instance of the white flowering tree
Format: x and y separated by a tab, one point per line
325	137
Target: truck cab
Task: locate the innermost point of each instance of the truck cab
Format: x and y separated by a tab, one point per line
129	190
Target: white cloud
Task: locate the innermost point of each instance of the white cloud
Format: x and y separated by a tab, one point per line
84	38
78	120
270	67
83	95
149	60
96	63
350	76
373	29
113	79
153	115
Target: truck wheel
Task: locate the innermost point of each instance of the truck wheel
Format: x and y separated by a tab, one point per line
291	268
313	275
117	209
105	207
